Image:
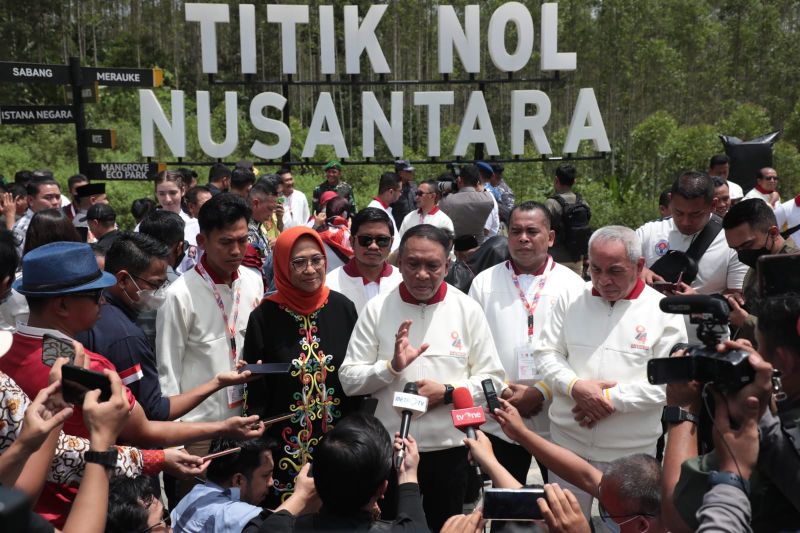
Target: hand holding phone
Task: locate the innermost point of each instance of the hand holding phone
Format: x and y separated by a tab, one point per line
76	382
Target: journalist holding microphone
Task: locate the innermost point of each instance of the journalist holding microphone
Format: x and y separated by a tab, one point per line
426	332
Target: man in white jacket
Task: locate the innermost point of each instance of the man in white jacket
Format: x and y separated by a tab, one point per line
516	296
427	332
593	353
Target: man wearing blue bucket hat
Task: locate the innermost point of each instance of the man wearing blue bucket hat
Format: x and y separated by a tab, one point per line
63	286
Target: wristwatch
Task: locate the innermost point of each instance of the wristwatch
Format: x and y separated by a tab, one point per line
107	459
672	414
729	478
448	393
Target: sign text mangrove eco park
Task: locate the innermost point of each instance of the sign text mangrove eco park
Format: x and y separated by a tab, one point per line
456	37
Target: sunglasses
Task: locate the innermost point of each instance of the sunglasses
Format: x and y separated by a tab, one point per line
420	193
770	178
366	240
94	295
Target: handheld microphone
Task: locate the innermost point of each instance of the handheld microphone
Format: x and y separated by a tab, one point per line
467	417
411	405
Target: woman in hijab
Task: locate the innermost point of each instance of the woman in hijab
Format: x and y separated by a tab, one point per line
307	326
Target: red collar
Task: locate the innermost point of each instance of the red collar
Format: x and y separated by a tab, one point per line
431	212
408	298
384	205
760	189
797	200
215	277
352	270
538	272
637	290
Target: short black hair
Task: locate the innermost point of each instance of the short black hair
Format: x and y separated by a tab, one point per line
351	462
23	177
754	211
243	462
191	196
692	184
425	231
389	180
284	170
140	207
779	329
566	174
43	174
719	182
34	186
242	177
9	258
718	159
371	214
49	225
164	226
134	252
16	190
217	172
222	210
128	503
274	179
77	178
470	176
264	187
188	175
664	198
531	205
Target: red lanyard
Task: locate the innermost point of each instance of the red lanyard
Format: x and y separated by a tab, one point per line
230	328
530	307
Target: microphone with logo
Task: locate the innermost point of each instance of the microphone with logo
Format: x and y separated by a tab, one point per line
410	405
466	417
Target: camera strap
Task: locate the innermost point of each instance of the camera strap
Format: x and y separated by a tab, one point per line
785	233
704	239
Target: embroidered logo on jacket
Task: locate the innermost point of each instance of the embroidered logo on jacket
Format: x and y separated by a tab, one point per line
457	347
640	338
662	247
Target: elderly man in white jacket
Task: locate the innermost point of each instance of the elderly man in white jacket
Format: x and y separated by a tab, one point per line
594	352
430	333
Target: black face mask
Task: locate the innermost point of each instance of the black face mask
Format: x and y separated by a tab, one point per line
750	257
179	259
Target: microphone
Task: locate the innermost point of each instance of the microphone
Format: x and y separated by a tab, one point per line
411	405
467	417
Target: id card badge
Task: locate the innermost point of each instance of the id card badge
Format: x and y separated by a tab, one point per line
526	364
235	395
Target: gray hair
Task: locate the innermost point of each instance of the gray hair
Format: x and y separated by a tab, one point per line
625	235
639	480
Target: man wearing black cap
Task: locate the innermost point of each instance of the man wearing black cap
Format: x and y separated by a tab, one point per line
102	221
86	196
408	190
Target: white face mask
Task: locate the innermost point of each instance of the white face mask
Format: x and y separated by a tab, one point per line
149	300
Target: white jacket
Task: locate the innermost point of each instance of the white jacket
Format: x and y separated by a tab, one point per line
591	339
436	217
192	344
494	290
461	353
356	290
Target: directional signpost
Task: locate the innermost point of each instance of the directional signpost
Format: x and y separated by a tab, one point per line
85	82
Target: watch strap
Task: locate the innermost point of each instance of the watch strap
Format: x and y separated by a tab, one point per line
448	393
672	414
729	478
107	459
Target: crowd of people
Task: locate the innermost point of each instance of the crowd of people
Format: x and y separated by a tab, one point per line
243	352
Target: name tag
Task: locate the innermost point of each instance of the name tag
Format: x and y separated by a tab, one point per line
526	364
235	395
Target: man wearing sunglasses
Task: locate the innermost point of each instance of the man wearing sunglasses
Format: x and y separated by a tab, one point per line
766	187
427	211
368	273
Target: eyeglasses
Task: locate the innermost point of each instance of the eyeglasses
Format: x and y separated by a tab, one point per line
382	241
300	264
94	295
610	520
165	520
420	193
155	287
770	178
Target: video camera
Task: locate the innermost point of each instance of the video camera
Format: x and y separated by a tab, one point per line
729	371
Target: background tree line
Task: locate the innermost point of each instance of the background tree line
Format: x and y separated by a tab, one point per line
670	75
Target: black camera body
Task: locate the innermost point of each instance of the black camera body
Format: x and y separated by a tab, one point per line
729	371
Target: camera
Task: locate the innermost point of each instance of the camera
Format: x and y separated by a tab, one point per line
445	187
729	371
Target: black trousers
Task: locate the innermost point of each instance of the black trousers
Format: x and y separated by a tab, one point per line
514	458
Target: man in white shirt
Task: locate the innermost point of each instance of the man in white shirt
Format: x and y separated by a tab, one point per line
720	166
788	216
430	333
388	193
766	187
201	324
427	211
43	193
516	296
692	203
295	208
368	273
594	351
